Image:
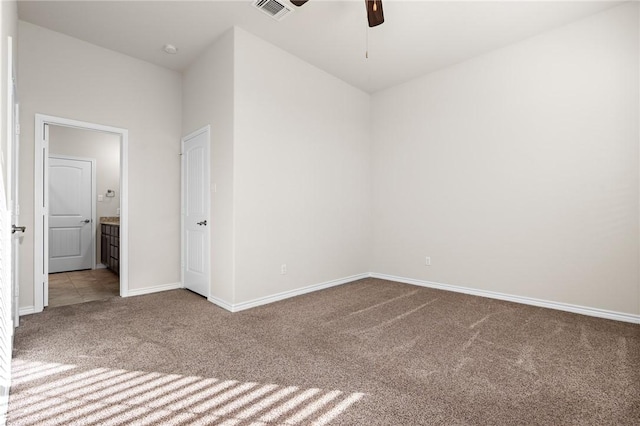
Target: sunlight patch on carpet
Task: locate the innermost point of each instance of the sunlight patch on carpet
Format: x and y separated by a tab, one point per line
62	394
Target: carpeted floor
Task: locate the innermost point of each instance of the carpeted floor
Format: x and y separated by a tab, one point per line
371	352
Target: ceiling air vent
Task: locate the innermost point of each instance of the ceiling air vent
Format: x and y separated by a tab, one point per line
273	8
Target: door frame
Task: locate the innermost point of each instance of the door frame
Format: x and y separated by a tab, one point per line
9	318
206	129
41	203
93	204
13	152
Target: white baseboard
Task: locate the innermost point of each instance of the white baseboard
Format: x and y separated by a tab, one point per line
27	310
222	303
285	294
583	310
154	289
101	266
576	309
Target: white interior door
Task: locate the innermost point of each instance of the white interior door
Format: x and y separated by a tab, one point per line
8	303
195	212
17	230
13	152
71	242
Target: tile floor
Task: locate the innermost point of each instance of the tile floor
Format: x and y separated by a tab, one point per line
69	288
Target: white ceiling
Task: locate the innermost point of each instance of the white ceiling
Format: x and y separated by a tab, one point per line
418	36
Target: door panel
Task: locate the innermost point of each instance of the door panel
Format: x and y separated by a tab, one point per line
65	196
65	242
195	247
13	154
195	191
70	213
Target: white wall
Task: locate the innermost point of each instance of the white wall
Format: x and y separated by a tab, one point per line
105	149
8	28
290	161
66	77
208	100
302	173
517	171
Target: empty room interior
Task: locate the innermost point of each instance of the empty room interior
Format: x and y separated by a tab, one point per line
371	212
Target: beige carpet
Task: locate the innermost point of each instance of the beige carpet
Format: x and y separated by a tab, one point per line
368	353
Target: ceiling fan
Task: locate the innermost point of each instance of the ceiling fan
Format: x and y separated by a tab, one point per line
374	10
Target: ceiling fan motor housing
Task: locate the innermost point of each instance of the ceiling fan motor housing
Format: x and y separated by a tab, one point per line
375	15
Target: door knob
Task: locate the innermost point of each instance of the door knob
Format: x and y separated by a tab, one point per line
87	220
204	222
17	228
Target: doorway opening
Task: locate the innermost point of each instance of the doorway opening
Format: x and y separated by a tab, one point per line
84	178
80	250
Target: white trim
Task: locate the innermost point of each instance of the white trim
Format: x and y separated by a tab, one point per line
285	294
567	307
39	215
153	289
27	310
576	309
40	245
101	266
221	303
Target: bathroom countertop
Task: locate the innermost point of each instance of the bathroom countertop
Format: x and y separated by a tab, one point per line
106	220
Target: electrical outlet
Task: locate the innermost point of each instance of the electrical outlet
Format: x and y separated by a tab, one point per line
283	269
427	261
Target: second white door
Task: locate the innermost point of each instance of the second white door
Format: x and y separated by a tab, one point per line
195	212
71	243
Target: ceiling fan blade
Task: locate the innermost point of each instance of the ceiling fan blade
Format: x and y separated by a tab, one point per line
374	12
298	2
